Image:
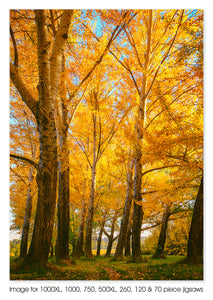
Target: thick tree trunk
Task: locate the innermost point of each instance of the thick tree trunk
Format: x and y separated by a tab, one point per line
137	209
162	235
49	72
99	242
47	184
109	246
195	242
126	213
62	243
27	218
128	243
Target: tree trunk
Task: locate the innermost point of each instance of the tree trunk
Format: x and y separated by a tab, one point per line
62	243
128	243
47	183
27	217
162	235
126	213
195	242
78	250
99	242
100	234
49	72
109	246
51	250
137	210
110	237
88	242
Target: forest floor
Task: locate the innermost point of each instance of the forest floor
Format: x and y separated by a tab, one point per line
103	268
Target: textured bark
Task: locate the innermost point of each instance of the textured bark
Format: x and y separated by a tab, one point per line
126	213
62	243
47	183
162	235
195	242
63	214
128	243
137	209
27	218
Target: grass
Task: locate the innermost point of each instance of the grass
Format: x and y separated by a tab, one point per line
103	268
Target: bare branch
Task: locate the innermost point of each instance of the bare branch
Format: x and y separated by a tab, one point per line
165	56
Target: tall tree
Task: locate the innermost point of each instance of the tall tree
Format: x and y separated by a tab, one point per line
49	66
126	212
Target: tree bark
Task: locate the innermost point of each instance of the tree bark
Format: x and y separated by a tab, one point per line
126	213
47	183
162	235
128	243
195	242
62	243
27	218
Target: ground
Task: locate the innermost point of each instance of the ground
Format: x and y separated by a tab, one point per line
103	268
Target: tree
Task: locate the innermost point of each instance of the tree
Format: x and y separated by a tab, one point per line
49	66
126	212
23	147
162	235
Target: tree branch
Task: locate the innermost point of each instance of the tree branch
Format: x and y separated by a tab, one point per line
15	47
114	35
165	56
24	92
159	168
25	159
57	50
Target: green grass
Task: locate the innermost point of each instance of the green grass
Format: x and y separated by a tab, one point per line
106	269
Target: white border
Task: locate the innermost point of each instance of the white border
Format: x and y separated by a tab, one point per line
4	119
